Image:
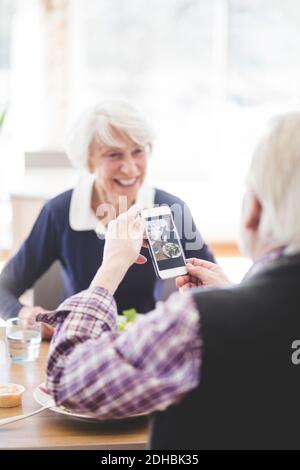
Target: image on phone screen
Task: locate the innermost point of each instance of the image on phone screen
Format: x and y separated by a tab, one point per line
164	241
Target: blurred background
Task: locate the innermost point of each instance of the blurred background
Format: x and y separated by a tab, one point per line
207	73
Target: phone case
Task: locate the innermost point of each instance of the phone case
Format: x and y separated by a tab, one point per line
154	264
152	256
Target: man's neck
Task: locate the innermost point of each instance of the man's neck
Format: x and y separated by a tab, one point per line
264	250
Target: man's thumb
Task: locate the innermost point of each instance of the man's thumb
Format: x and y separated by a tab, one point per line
141	259
198	271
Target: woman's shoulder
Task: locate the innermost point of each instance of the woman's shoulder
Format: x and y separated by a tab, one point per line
61	201
163	197
58	207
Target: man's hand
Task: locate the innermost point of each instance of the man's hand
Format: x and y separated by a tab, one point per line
29	315
123	242
202	273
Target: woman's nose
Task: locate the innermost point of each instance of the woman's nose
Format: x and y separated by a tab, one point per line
129	166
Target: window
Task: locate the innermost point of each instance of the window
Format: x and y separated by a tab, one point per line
207	73
157	54
6	15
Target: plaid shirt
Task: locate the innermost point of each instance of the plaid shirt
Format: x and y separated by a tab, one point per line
94	369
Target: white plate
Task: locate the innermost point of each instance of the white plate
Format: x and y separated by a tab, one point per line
42	397
165	249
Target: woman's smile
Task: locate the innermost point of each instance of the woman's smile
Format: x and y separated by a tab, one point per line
127	182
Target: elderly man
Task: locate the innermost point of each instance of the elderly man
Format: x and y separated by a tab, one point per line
213	363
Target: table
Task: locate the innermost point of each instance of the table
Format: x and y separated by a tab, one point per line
50	430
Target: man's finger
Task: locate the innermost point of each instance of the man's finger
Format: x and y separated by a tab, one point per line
202	263
134	211
47	331
181	280
199	272
141	259
188	285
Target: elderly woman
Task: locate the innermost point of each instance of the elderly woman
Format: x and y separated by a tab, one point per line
113	142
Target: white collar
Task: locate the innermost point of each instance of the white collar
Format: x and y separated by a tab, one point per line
81	215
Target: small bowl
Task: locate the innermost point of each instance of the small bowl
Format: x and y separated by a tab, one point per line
11	395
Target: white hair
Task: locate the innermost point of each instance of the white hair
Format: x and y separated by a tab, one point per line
99	122
275	178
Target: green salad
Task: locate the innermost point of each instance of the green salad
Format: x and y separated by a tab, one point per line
126	320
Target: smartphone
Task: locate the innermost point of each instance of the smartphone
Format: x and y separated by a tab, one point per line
164	243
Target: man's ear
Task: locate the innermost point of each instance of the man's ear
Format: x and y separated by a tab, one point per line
253	212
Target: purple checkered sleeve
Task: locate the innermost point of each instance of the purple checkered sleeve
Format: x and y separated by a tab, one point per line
93	369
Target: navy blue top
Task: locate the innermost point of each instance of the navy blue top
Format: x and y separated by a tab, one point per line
80	254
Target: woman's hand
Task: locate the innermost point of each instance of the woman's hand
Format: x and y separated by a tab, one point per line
123	242
202	273
29	315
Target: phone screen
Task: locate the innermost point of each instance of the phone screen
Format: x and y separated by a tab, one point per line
164	241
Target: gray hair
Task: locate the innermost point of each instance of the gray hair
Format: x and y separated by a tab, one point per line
98	122
275	178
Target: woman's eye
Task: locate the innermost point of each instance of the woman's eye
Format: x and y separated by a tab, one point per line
114	156
138	152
